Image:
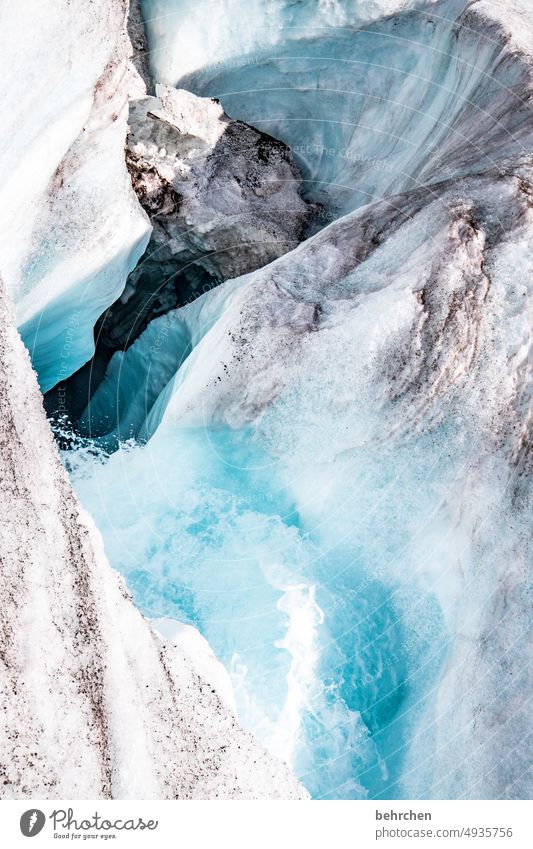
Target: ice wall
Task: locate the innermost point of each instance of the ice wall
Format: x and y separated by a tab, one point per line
71	227
185	36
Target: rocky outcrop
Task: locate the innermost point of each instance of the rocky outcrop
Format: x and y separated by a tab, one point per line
223	199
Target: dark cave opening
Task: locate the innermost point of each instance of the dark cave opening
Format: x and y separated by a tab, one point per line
153	289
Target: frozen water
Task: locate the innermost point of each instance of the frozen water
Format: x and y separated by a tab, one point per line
71	227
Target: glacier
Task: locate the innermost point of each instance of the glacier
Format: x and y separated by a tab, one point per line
95	702
190	164
322	464
371	101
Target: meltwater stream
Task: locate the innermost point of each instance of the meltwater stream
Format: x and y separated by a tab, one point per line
331	660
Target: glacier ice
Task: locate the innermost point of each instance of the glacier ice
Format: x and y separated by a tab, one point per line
323	464
223	199
184	36
369	109
336	444
94	703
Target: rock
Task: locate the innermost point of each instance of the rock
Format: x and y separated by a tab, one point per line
223	199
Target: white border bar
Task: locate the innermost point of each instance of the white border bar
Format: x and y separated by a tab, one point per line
277	825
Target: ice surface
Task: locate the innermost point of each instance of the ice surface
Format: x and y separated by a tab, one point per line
94	703
321	466
336	449
369	109
201	656
231	30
